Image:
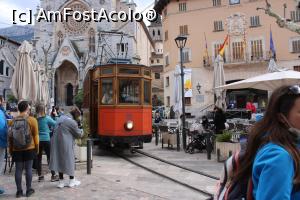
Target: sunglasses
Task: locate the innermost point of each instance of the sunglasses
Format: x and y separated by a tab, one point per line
295	89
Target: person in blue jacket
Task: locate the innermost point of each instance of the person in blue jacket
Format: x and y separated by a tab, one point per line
272	157
45	124
3	139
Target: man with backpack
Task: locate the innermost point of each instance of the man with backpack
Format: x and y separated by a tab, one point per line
23	146
3	139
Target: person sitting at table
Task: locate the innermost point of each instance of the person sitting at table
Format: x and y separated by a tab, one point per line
250	106
157	118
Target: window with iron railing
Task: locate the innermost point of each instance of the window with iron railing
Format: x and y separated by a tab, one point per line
216	2
295	16
218	26
296	46
157	75
168	101
187	101
297	68
183	30
186	55
238	51
182	7
254	21
256	50
167	81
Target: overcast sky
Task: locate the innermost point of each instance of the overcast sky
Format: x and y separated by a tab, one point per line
7	7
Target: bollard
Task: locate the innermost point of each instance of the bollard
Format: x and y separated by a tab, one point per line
208	147
156	135
218	155
89	153
178	139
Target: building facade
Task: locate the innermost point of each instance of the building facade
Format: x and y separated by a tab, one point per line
69	49
206	24
156	62
8	58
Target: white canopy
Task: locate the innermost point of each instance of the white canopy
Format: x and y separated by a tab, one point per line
269	81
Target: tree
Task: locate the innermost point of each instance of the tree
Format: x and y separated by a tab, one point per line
281	21
79	99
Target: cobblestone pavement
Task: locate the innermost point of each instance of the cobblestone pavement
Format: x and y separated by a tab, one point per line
116	179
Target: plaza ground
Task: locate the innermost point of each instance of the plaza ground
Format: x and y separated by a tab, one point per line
114	178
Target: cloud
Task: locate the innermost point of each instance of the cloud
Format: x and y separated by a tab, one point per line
7	7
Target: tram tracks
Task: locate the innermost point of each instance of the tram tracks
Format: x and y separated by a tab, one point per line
170	178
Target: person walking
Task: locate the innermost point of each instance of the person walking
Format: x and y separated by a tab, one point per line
23	146
272	157
219	120
44	123
3	140
62	158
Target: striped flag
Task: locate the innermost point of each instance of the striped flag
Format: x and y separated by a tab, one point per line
272	47
222	48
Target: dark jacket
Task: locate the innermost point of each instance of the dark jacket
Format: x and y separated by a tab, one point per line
219	121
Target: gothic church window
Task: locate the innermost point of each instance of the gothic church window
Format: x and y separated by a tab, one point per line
60	38
1	67
92	46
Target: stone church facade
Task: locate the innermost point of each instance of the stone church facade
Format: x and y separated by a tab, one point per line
69	49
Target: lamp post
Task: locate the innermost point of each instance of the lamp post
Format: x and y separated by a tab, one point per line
180	42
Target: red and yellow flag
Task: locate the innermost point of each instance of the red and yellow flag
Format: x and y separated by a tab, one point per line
222	48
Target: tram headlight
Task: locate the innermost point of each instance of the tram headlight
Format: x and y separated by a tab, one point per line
128	125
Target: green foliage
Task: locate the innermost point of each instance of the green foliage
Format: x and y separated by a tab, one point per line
79	98
82	142
11	98
225	137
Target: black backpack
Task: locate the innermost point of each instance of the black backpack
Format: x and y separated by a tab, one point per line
229	190
20	133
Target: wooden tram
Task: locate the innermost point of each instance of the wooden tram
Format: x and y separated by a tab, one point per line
120	104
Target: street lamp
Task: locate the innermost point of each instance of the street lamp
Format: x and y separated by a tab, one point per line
180	42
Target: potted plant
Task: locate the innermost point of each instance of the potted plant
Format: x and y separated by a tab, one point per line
225	145
81	144
79	99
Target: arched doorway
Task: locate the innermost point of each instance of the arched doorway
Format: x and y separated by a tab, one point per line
66	82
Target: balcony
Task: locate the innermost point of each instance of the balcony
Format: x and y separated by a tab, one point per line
247	58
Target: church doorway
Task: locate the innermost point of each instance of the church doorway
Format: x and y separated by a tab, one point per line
66	82
69	101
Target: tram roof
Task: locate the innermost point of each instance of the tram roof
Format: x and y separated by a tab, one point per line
121	64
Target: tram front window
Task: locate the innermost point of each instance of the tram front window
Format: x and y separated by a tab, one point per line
129	91
107	92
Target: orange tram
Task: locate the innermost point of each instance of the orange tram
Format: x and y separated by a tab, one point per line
120	104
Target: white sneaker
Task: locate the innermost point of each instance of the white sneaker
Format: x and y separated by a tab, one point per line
74	182
61	184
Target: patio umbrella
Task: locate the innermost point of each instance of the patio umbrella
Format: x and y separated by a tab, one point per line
219	80
269	81
23	83
177	90
42	84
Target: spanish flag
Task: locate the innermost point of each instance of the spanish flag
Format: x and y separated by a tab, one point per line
222	48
